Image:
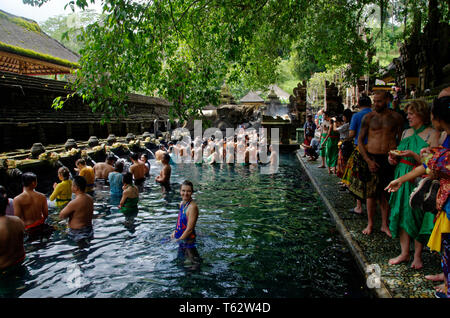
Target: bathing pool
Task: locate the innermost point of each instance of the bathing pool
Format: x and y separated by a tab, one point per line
258	235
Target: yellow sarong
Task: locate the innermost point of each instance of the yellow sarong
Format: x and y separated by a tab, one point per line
442	225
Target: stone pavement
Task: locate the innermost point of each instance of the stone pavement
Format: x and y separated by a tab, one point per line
372	252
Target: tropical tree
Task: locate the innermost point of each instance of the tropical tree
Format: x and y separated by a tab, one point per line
183	50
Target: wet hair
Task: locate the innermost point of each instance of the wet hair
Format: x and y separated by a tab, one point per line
118	166
110	158
80	162
166	157
441	109
3	205
134	156
80	182
64	171
420	108
145	155
188	183
28	178
127	178
364	101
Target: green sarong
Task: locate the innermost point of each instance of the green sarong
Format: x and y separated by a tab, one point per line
332	149
130	206
323	150
402	215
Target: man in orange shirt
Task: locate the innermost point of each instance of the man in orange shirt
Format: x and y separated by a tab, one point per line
88	173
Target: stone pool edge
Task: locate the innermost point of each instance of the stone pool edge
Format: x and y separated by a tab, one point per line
355	249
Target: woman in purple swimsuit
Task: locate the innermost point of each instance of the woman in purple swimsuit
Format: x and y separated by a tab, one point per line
187	217
184	232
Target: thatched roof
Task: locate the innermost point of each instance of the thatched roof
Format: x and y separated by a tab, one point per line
252	97
26	49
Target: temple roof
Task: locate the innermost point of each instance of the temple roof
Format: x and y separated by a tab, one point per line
26	49
252	97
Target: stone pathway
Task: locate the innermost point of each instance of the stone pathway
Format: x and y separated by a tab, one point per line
397	281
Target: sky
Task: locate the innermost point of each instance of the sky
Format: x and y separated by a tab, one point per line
40	14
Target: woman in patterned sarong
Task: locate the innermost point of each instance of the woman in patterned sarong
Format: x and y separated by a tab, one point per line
345	144
356	175
406	222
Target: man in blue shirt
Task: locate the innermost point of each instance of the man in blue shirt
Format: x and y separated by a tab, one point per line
365	104
309	127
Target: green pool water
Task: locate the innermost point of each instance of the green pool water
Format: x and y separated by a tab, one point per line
257	236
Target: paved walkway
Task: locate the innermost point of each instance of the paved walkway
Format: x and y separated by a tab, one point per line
397	281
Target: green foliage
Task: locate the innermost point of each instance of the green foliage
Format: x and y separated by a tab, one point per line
67	28
184	50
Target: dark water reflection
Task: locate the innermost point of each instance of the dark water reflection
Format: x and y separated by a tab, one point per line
258	236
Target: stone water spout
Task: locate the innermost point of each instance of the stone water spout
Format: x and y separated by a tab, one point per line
36	150
70	143
93	141
273	106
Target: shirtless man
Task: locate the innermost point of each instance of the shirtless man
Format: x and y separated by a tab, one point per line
162	150
383	128
144	160
230	148
197	152
252	153
164	175
79	211
12	232
103	169
31	206
273	159
138	169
